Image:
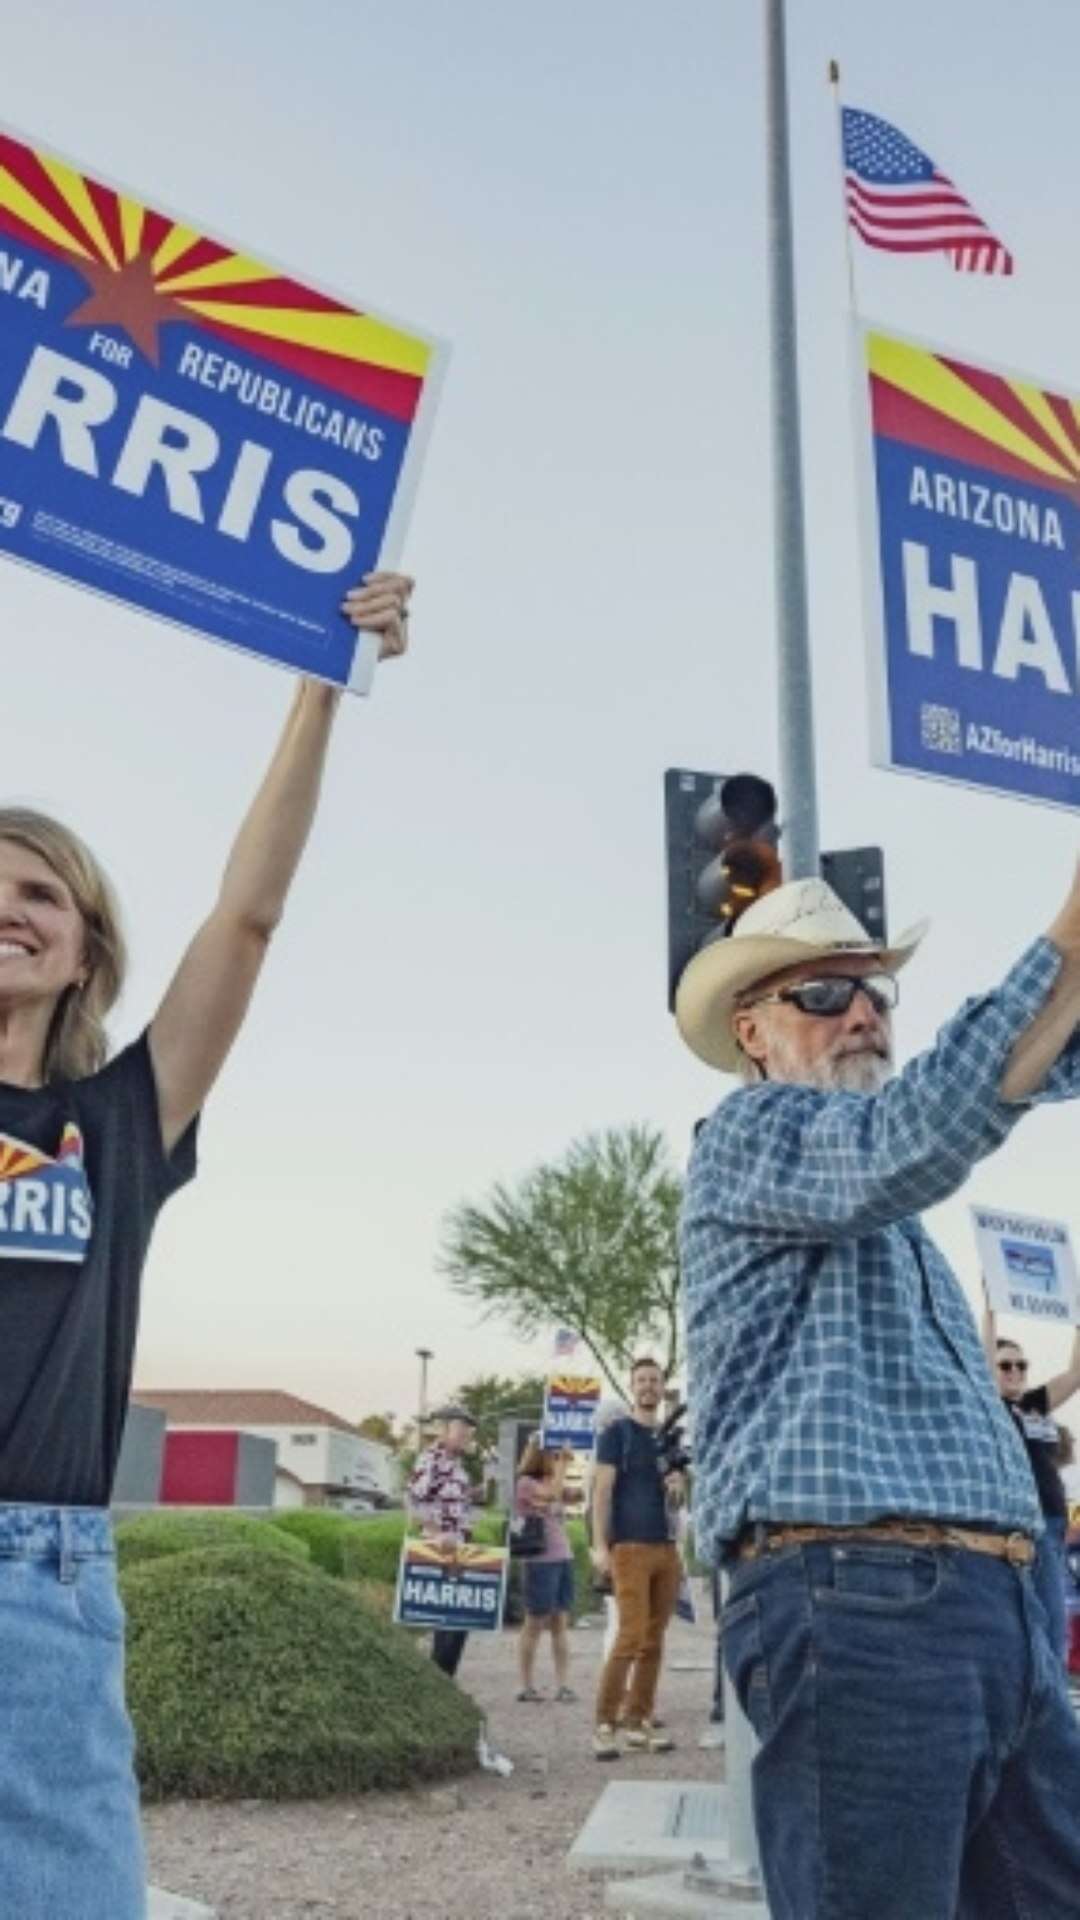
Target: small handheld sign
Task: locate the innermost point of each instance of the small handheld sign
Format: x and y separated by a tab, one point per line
460	1588
570	1406
191	431
1028	1266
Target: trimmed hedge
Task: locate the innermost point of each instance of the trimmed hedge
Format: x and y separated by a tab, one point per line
367	1551
250	1675
148	1536
346	1548
585	1600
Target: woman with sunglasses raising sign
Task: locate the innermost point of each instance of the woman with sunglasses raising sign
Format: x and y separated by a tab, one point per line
1031	1408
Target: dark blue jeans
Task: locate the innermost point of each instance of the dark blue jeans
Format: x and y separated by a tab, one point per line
919	1757
1050	1575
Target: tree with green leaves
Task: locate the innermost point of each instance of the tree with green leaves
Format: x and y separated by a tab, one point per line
490	1399
587	1242
382	1427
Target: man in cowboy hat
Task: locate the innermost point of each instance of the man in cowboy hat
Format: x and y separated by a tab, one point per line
855	1471
439	1496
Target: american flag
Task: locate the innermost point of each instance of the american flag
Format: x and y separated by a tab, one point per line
898	200
565	1342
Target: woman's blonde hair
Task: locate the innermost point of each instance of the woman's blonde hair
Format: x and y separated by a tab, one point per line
77	1043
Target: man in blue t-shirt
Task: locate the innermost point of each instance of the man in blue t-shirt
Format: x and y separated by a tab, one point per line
634	1548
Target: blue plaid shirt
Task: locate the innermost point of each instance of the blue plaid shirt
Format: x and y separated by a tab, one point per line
835	1369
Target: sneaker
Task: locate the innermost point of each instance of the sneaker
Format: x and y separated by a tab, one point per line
713	1735
604	1744
647	1737
528	1693
566	1694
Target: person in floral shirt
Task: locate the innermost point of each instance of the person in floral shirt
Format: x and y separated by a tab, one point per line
439	1497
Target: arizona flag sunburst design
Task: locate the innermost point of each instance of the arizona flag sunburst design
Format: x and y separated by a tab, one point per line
143	271
574	1387
987	420
468	1558
17	1159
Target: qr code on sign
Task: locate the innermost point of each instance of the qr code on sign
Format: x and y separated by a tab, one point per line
941	729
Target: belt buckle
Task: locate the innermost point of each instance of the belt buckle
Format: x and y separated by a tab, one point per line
1018	1550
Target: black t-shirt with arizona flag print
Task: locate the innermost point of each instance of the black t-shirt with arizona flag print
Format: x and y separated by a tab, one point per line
83	1174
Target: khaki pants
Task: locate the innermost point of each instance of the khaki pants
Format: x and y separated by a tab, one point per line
645	1576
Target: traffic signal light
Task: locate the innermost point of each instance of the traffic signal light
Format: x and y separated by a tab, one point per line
721	836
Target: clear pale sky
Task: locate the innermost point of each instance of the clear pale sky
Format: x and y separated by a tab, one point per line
472	968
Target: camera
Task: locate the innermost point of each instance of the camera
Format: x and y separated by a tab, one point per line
672	1451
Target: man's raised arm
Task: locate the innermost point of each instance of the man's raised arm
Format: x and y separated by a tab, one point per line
1041	1045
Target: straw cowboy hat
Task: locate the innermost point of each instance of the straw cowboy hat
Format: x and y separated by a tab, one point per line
794	924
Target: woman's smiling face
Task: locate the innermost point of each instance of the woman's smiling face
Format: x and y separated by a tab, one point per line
42	937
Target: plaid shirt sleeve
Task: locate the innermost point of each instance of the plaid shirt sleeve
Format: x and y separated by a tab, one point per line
804	1164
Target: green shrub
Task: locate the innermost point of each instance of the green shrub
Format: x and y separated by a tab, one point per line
252	1676
489	1527
352	1549
347	1548
147	1536
585	1600
377	1597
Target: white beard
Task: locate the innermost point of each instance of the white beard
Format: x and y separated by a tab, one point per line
861	1072
854	1073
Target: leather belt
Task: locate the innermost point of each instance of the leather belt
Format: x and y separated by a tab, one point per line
1017	1548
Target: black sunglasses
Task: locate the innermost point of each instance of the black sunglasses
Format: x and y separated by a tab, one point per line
834	993
1013	1366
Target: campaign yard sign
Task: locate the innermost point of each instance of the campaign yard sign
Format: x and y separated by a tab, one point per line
570	1404
1028	1265
192	431
970	502
462	1587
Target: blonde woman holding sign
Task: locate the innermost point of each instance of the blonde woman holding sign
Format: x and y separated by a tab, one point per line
90	1149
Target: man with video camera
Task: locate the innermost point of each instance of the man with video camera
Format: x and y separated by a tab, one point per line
638	1475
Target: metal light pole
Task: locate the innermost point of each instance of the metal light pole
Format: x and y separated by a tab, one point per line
424	1355
798	785
741	1876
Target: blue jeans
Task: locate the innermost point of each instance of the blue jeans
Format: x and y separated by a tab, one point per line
919	1756
70	1845
717	1714
1050	1576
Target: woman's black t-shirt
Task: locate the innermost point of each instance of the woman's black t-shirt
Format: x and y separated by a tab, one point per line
1040	1436
83	1174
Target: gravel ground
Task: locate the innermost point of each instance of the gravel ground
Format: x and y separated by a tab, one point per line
484	1848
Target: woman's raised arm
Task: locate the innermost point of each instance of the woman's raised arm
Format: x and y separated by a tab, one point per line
204	1007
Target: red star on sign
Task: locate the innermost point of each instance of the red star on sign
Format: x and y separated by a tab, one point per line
126	297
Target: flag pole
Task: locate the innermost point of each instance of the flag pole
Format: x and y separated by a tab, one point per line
849	251
798	783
